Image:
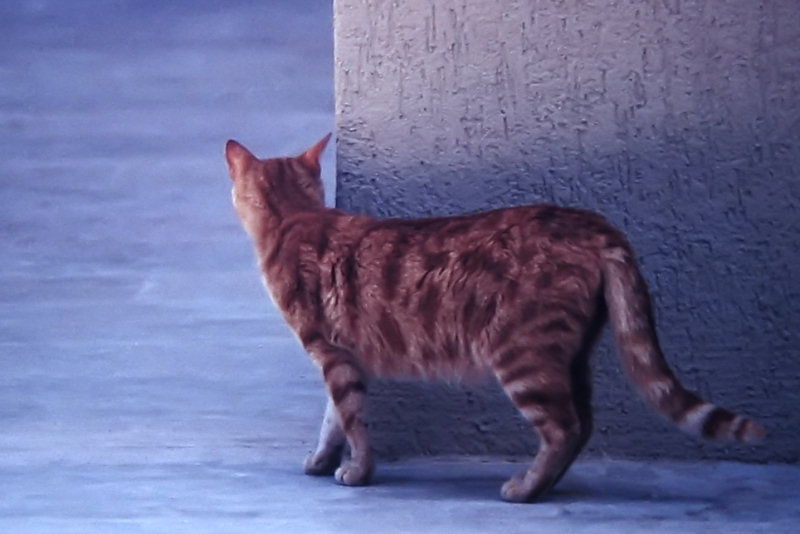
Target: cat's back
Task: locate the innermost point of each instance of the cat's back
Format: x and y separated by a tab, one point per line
511	228
517	233
419	264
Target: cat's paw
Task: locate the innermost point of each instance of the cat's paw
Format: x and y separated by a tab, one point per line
354	474
517	489
320	465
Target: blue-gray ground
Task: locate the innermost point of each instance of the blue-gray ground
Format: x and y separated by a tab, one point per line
146	383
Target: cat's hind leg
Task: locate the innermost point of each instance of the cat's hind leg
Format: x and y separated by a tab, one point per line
347	391
538	382
328	454
581	386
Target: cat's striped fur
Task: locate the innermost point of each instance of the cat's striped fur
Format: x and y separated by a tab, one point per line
520	294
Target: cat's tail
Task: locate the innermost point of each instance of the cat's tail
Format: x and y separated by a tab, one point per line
631	318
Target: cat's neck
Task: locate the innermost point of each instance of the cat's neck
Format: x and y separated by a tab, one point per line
269	227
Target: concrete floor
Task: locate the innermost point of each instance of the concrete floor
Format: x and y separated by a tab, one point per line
146	382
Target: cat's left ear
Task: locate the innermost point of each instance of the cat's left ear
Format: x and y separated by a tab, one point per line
311	156
239	158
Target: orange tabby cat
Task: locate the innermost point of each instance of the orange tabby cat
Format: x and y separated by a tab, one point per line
520	294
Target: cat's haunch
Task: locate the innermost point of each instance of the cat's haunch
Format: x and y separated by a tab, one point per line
518	294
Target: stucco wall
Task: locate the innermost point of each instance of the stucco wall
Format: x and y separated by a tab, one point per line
678	120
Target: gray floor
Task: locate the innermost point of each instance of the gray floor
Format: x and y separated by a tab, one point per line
146	383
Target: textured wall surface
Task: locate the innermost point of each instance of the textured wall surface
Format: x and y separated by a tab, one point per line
678	120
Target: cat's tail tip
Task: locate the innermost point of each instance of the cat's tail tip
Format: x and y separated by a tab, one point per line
715	423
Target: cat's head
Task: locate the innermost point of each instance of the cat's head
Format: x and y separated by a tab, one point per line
277	185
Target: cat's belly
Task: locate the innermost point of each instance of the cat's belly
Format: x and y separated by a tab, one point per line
427	363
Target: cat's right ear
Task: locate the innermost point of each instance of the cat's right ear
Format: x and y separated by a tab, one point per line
239	159
311	156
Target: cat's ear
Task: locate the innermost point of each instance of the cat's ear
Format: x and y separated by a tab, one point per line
239	158
311	156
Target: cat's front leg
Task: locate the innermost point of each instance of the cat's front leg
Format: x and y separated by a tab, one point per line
328	455
347	391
